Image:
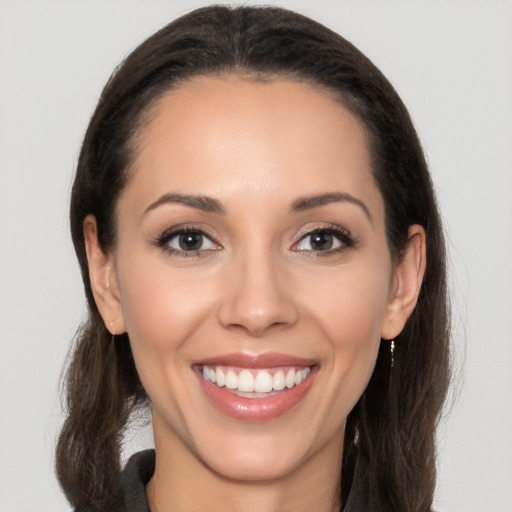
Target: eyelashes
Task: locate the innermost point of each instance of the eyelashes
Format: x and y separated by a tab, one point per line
324	240
192	241
187	241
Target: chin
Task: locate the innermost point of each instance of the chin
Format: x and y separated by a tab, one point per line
266	461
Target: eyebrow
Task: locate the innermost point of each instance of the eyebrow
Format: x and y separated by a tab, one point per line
308	202
211	205
203	203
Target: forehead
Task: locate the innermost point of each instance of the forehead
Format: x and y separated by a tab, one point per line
212	134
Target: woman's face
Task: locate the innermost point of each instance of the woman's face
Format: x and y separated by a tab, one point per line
252	252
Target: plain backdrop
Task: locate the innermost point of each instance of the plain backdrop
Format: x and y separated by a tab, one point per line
452	64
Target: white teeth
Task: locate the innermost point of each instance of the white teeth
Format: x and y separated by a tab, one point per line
245	381
290	379
231	380
263	383
220	377
278	381
255	381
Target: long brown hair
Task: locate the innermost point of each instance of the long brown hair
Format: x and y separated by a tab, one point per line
391	431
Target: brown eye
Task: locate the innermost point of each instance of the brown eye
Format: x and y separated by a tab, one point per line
182	241
321	241
190	241
328	240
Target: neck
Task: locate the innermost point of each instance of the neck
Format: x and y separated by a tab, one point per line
184	483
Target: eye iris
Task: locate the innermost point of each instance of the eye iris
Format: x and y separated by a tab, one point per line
321	241
191	241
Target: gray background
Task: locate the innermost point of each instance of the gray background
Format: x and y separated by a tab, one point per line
452	63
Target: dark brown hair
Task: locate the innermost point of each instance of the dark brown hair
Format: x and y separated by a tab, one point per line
389	449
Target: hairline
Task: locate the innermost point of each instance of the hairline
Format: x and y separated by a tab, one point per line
148	112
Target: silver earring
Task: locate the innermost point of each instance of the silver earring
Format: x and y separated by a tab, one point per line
392	350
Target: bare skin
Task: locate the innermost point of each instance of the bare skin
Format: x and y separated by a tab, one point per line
287	255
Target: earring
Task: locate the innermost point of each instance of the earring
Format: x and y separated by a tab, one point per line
392	350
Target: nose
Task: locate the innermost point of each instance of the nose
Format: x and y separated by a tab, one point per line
257	296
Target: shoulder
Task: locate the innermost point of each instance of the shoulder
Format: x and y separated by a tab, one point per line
131	495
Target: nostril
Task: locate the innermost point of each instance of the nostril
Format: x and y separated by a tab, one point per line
257	322
255	298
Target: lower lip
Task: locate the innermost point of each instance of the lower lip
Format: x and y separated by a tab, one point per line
256	409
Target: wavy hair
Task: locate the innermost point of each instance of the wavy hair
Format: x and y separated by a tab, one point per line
391	431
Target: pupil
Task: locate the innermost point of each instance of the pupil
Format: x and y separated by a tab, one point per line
190	241
321	241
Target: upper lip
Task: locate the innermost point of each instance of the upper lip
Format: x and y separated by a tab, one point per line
252	360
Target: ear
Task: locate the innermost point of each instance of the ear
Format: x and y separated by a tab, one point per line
407	279
103	279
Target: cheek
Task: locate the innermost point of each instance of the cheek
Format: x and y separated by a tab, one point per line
162	306
349	310
351	302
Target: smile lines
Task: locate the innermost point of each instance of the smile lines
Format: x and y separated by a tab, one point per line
255	381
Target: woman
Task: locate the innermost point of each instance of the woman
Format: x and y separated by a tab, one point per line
252	214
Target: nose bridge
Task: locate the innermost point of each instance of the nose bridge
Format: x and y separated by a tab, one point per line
255	296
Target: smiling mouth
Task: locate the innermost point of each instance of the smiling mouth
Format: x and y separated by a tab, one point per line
254	383
255	387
